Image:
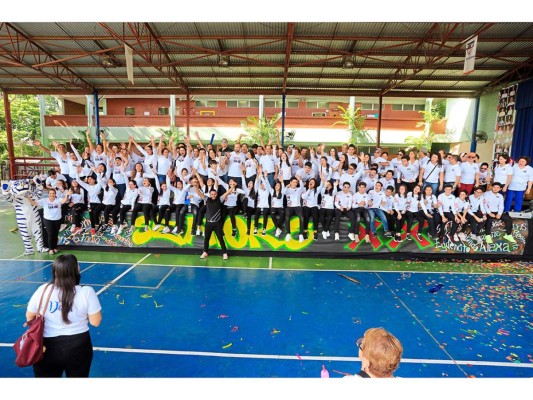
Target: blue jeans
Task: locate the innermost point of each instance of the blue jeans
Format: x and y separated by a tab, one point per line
373	212
434	186
270	178
517	196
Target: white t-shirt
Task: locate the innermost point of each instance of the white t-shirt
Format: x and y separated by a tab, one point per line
51	210
451	172
85	303
501	174
521	177
468	173
236	160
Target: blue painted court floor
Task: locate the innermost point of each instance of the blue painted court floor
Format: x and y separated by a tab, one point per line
171	321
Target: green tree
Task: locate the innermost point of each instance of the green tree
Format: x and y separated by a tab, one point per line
26	124
436	113
355	122
257	128
176	134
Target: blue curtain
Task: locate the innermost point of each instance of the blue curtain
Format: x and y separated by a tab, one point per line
523	128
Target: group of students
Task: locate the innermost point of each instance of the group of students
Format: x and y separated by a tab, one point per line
165	182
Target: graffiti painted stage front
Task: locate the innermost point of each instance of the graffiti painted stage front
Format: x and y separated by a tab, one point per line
137	237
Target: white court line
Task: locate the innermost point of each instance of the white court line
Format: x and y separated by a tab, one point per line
301	358
270	263
165	278
14	258
122	274
305	269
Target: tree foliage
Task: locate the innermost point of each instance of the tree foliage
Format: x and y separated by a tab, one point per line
26	124
257	128
355	122
436	113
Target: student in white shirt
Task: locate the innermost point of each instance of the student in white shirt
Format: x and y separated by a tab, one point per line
68	310
432	174
109	201
310	205
180	192
327	211
377	199
277	209
144	203
293	192
494	205
126	204
485	176
400	207
428	213
230	200
477	214
76	205
520	184
452	172
407	174
469	174
262	206
414	200
163	203
503	172
343	208
461	208
93	189
51	216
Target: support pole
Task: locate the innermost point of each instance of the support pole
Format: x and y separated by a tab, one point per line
97	117
172	111
378	138
42	113
283	96
261	106
473	143
9	131
188	110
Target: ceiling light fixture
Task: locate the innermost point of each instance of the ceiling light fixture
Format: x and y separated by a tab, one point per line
223	61
348	63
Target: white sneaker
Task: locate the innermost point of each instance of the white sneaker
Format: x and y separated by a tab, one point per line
337	237
166	229
356	238
301	238
278	232
120	229
175	230
462	236
72	228
114	229
328	234
351	236
324	235
146	228
288	237
455	238
198	232
204	255
224	256
156	227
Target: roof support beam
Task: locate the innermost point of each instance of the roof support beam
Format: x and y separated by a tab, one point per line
19	46
288	48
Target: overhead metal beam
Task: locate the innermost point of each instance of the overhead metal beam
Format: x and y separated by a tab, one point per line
288	48
520	73
19	46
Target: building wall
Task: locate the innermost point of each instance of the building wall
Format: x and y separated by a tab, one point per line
73	108
116	106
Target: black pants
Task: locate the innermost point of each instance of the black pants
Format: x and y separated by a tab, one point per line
410	218
507	220
64	212
72	355
94	215
326	217
266	212
475	226
399	222
294	211
361	213
108	210
455	225
450	217
168	213
181	219
158	212
310	212
391	221
410	185
231	212
121	187
216	227
52	232
77	211
345	213
278	217
421	216
145	208
250	211
124	208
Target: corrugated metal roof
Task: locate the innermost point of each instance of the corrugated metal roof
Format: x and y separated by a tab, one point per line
316	60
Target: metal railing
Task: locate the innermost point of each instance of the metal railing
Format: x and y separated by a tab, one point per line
28	167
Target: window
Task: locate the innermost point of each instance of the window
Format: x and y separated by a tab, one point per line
162	111
100	110
317	104
206	103
371	106
278	104
129	111
243	103
318	114
408	107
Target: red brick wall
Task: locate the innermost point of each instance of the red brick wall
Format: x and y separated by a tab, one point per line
117	106
72	108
